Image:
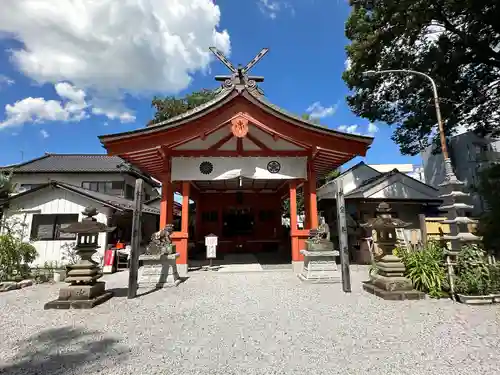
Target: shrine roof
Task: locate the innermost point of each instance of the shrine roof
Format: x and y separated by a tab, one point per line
225	95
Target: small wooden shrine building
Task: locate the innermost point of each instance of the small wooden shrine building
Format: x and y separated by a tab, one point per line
237	157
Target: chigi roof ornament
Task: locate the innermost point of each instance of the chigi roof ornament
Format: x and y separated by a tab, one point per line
239	77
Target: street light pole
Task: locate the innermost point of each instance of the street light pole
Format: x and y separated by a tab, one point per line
452	194
442	136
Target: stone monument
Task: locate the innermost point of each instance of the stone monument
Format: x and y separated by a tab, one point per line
84	291
389	281
320	265
159	269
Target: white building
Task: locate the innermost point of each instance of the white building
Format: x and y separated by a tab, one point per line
411	170
364	189
53	190
469	154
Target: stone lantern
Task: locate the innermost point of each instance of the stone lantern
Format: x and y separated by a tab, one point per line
84	291
389	282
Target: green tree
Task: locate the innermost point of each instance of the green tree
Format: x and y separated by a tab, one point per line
456	42
171	106
488	188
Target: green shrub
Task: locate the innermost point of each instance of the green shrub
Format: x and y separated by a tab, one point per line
474	276
425	268
15	254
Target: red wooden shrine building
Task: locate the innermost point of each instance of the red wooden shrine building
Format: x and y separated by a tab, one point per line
237	157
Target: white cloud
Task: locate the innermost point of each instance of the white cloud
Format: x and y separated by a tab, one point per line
4	80
349	129
109	48
316	110
271	8
37	110
44	133
114	114
372	128
347	64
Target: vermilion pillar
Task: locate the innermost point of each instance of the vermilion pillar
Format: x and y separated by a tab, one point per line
167	201
293	205
313	204
307	205
185	207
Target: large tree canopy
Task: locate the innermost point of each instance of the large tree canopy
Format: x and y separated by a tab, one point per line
456	42
171	106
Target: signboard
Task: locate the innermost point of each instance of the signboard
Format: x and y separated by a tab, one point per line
211	252
211	243
211	240
109	260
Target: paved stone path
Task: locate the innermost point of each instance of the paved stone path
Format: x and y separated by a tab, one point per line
246	323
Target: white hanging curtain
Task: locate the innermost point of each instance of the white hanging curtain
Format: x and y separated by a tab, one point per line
226	168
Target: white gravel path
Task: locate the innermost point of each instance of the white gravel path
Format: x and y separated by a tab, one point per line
247	323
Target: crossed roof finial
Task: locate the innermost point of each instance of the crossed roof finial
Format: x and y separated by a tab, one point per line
239	76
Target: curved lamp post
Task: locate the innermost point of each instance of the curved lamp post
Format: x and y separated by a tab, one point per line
450	175
452	195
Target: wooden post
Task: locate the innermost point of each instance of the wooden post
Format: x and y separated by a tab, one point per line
343	244
136	240
423	229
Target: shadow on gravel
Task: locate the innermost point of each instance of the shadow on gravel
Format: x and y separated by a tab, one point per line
64	351
123	292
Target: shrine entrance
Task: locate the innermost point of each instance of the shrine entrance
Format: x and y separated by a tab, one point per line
237	157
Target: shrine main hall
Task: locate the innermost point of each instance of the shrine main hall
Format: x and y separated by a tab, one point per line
237	157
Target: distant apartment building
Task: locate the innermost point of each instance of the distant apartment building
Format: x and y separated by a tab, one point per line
411	170
469	154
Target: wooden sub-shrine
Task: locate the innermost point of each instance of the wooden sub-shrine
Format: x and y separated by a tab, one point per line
237	157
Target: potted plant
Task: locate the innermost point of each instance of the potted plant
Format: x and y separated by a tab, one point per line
476	281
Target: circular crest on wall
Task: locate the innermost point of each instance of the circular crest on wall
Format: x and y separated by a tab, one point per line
206	167
239	127
273	166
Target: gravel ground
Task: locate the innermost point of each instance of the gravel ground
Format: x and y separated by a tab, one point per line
247	323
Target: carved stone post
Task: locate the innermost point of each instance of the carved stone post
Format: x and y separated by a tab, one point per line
319	257
389	281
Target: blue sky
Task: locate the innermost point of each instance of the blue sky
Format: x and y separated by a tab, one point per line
80	90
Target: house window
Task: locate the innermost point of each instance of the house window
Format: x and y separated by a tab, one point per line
114	188
47	227
129	191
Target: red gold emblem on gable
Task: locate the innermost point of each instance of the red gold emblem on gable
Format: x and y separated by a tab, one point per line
239	127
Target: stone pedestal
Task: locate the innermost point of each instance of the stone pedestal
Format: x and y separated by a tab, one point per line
80	297
320	267
389	282
158	271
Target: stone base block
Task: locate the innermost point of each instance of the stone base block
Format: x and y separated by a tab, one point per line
297	266
391	283
159	272
81	292
395	295
78	304
320	267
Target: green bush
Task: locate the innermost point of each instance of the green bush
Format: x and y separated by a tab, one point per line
15	254
425	268
474	276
